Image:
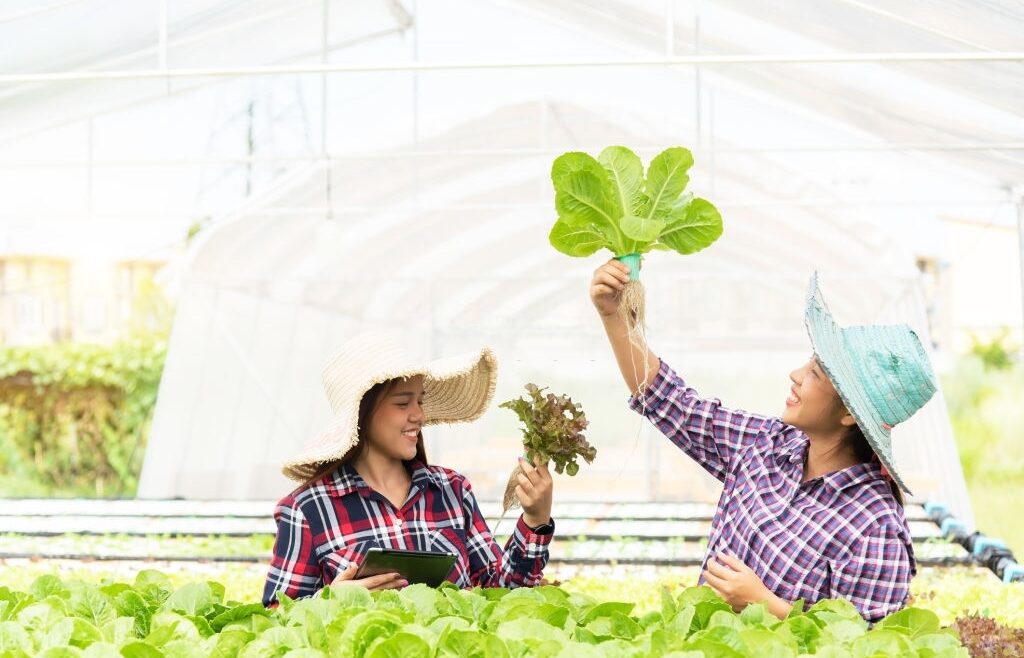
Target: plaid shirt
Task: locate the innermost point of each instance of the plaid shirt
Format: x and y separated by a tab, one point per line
841	535
325	526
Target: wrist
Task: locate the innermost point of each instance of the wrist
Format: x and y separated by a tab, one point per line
534	522
777	605
763	595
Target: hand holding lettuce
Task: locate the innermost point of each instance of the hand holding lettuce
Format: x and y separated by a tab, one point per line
552	431
609	203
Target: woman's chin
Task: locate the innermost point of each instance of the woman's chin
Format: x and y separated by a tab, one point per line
403	454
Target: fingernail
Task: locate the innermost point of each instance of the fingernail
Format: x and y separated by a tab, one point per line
403	583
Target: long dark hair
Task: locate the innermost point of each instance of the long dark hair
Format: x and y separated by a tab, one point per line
855	439
367	405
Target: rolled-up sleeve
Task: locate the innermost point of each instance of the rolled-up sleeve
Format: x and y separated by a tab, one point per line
875	574
702	428
522	562
294	568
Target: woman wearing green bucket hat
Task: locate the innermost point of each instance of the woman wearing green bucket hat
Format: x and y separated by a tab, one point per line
811	508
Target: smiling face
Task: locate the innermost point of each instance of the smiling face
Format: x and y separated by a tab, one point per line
395	424
813	406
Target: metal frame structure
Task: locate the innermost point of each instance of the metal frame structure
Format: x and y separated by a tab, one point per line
319	64
669	59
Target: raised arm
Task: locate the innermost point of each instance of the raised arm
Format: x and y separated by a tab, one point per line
631	355
705	430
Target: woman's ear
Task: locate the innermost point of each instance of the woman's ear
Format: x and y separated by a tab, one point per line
848	420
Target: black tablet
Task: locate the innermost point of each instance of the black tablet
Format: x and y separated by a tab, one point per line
424	567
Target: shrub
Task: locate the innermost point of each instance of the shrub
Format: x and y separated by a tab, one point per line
74	417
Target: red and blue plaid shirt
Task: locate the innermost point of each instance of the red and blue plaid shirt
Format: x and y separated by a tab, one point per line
841	535
334	521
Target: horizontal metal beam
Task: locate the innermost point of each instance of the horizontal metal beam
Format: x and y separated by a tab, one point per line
894	147
255	559
686	60
35	11
337	209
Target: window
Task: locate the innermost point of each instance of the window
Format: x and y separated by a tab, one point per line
28	313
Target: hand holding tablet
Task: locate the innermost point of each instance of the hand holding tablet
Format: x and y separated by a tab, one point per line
425	567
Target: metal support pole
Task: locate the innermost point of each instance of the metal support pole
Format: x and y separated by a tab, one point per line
417	168
161	46
325	35
670	28
162	37
696	77
90	168
1018	198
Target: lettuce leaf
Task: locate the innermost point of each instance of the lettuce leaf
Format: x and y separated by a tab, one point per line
608	203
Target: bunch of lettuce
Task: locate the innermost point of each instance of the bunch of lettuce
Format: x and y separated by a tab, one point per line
985	637
609	203
552	431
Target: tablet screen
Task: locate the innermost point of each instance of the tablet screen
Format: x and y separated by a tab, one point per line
424	567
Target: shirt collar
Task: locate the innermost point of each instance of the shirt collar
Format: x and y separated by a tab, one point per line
347	479
853	475
423	476
793	449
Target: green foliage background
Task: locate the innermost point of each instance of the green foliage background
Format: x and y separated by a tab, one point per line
984	393
74	417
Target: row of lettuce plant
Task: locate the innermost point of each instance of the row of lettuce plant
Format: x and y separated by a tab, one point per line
151	619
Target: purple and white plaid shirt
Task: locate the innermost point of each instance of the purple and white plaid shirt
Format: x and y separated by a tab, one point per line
841	535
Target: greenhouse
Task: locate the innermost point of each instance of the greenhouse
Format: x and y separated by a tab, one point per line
204	200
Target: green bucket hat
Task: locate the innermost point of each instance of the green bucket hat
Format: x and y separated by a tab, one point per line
880	371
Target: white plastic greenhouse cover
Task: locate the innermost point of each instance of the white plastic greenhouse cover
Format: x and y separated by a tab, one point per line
258	317
421	201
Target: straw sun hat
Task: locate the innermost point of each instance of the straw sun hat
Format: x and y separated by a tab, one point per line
880	371
456	389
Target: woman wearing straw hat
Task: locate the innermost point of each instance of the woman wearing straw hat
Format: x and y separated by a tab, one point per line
366	481
811	507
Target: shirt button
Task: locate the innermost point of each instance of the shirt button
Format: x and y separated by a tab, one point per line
398	523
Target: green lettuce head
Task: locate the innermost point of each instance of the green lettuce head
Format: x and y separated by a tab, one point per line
608	203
